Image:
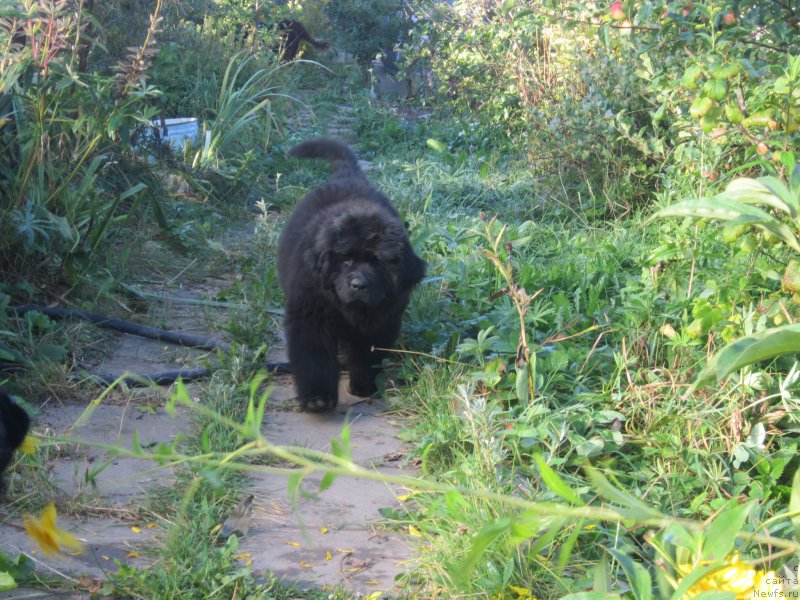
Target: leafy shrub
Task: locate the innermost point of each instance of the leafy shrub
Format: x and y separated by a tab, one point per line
367	27
60	173
614	99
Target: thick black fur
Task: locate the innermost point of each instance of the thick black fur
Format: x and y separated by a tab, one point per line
14	423
293	34
347	269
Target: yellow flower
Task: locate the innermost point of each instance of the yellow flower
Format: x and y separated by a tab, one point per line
737	577
49	536
522	593
29	445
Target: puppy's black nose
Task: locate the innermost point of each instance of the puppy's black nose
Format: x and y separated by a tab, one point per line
358	282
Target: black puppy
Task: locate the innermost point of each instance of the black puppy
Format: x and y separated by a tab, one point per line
347	269
14	423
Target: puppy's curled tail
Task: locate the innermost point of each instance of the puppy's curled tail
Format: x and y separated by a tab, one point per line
341	157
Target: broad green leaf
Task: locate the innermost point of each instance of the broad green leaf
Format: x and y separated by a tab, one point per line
555	484
711	208
7	582
720	535
726	209
784	194
716	89
591	447
745	351
765	190
638	577
480	543
601	580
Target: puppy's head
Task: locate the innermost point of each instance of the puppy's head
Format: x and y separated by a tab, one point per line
365	258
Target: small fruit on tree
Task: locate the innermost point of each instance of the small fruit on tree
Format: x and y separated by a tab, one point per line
733	231
790	282
733	113
762	148
729	18
617	11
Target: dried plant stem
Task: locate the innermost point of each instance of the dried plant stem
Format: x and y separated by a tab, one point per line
133	71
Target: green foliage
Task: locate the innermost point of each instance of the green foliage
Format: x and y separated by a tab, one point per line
737	206
366	28
636	107
63	189
13	572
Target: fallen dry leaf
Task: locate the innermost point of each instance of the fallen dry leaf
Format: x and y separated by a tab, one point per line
91	585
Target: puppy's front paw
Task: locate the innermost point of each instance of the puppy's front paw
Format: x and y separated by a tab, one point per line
317	404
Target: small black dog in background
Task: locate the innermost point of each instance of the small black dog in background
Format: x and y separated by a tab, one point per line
293	34
14	423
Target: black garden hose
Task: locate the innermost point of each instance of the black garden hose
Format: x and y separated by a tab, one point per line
162	335
154	333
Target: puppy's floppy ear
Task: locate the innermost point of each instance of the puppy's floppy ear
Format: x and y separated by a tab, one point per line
412	269
319	260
